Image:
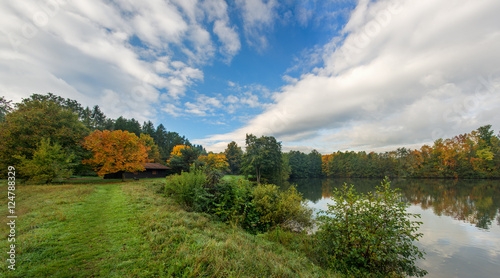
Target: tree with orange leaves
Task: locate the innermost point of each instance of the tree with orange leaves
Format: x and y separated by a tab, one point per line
115	151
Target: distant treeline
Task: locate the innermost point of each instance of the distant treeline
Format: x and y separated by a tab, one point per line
471	155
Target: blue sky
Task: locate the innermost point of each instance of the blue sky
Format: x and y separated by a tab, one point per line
326	75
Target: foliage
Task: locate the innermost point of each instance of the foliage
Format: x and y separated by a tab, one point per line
214	162
167	140
153	152
471	155
115	151
188	189
49	162
238	202
281	208
304	165
182	158
126	230
232	202
34	120
5	108
234	156
263	158
369	234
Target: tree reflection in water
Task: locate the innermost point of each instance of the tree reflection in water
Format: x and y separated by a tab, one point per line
473	201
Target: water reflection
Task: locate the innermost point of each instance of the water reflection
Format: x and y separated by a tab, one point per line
461	220
473	201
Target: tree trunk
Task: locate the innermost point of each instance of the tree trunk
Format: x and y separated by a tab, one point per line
123	176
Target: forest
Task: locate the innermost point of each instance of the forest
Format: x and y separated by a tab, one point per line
66	142
470	156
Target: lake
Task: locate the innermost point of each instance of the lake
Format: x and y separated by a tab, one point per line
461	220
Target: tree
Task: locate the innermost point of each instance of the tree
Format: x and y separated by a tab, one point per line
149	129
234	156
49	162
153	152
182	157
214	161
115	151
371	234
314	158
263	158
33	120
5	108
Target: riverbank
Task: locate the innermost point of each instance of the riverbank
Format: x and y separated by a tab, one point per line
125	229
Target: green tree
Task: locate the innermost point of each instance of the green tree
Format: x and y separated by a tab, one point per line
33	120
153	151
362	235
5	108
182	158
314	158
49	162
234	155
263	158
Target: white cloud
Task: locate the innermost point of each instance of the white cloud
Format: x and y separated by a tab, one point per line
94	51
229	38
407	72
258	17
203	105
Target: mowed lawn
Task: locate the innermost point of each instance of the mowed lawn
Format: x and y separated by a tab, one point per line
125	229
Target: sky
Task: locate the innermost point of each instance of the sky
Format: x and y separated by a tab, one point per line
325	75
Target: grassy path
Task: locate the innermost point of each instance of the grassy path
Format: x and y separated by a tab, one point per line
127	230
96	236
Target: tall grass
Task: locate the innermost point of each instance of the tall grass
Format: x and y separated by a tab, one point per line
127	230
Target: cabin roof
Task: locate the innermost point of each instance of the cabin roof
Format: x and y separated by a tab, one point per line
155	166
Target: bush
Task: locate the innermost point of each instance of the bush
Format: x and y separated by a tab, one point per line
371	234
187	188
232	202
256	209
281	208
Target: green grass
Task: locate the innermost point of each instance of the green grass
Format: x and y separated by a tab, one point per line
127	230
233	177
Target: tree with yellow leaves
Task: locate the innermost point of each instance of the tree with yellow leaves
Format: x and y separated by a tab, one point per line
182	157
215	161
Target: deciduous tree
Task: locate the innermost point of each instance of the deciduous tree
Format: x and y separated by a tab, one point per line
115	151
263	158
182	157
49	162
214	161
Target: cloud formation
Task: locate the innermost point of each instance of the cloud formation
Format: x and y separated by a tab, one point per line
133	54
400	73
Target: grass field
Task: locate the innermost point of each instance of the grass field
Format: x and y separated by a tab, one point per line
125	229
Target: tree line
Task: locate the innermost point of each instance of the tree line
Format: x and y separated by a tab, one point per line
48	131
56	134
471	155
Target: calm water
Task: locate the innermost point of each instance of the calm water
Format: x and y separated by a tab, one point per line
461	220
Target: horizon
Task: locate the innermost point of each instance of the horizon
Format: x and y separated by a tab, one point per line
325	75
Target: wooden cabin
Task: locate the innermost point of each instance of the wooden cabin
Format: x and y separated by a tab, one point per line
153	170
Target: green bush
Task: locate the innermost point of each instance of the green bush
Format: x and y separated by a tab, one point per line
281	208
256	209
232	202
369	235
187	188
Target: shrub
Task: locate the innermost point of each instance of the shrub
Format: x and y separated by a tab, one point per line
369	234
233	203
187	188
281	208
